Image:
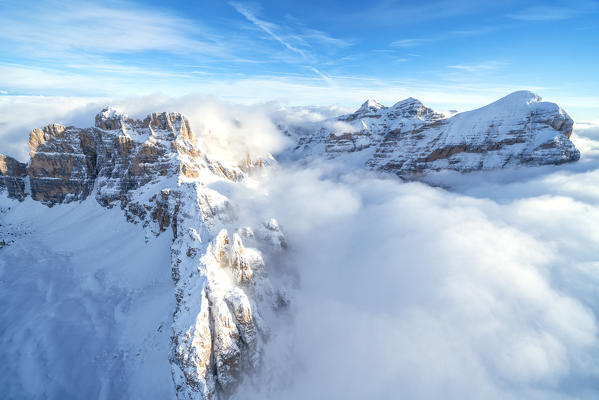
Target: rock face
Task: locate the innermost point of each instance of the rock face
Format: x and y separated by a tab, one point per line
12	177
118	155
409	139
155	171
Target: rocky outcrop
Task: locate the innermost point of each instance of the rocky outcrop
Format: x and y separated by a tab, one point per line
410	139
12	177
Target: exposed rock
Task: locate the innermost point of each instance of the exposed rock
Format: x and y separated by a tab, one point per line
12	177
116	156
409	139
60	170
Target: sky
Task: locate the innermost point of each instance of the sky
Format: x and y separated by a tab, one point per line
458	54
487	290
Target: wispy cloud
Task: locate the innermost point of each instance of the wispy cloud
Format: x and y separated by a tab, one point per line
553	12
265	26
445	36
324	38
85	27
406	13
270	28
484	66
404	43
326	78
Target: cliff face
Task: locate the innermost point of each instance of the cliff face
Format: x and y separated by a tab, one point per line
12	177
155	171
409	139
118	155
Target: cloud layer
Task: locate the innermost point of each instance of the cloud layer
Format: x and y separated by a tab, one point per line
485	291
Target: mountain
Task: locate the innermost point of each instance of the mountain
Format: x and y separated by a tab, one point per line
102	204
410	139
154	171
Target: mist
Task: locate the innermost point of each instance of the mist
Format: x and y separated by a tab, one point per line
485	290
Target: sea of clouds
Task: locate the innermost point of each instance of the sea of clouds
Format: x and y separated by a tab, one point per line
487	290
481	285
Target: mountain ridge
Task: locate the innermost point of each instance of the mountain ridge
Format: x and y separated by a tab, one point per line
410	139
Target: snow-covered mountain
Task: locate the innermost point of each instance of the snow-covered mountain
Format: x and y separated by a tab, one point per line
410	139
156	175
155	172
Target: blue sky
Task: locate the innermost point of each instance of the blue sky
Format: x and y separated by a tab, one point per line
450	54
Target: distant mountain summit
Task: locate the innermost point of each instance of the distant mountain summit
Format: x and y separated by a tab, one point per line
410	139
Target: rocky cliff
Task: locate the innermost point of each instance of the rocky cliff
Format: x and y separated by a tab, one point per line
12	177
410	139
156	172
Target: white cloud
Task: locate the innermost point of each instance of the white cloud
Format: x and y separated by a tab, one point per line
408	42
269	28
228	131
488	291
20	114
546	13
314	35
479	67
265	26
69	27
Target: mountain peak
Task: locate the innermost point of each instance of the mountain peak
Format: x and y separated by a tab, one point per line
520	96
110	118
409	102
520	102
370	105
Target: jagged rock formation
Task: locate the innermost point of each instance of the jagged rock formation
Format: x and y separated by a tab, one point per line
118	155
409	139
156	172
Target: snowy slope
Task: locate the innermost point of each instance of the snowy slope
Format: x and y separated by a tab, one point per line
87	304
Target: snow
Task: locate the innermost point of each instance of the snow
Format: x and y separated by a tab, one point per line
408	101
369	105
110	112
87	304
